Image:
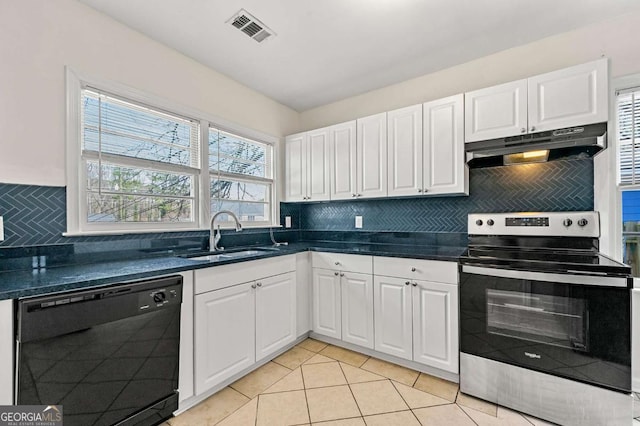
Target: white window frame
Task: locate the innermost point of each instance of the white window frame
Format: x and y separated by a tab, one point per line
608	191
77	224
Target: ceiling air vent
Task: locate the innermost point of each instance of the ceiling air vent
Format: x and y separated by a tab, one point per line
251	26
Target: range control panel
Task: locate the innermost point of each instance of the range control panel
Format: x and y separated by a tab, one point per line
569	224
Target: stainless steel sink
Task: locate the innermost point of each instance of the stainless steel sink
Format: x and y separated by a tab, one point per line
228	255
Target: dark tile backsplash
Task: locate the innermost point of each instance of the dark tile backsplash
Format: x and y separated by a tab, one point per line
553	186
36	215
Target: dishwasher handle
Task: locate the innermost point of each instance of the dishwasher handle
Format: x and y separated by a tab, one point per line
58	314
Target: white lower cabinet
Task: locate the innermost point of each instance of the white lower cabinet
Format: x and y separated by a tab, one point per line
393	316
240	324
327	303
357	308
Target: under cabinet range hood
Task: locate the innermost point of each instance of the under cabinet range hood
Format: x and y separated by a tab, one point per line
580	141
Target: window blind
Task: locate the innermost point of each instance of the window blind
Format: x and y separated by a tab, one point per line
628	116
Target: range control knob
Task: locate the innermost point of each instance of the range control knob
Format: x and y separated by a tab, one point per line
479	222
490	222
567	222
159	297
583	222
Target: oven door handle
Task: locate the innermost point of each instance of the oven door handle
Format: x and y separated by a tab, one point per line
548	277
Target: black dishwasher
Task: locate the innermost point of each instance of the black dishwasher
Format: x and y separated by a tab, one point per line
108	355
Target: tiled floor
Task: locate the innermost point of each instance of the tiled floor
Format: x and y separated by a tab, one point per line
319	384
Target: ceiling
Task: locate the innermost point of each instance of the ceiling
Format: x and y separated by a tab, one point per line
327	50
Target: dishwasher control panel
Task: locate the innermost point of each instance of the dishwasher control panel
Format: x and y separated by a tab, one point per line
159	298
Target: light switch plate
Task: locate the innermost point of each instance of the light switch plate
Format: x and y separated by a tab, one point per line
358	221
287	221
1	229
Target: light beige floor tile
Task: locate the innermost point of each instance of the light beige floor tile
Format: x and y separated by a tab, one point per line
318	359
358	375
344	355
212	409
401	418
284	408
436	386
258	380
331	403
391	371
477	404
312	345
418	399
294	357
357	421
321	375
536	421
443	415
377	397
505	417
292	381
245	415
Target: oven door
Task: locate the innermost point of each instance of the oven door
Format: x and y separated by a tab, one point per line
573	326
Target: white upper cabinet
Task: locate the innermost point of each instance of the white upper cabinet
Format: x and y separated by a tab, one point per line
496	112
343	160
444	171
371	156
569	97
404	130
307	166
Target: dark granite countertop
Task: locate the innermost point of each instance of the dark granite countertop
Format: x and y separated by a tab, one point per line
31	282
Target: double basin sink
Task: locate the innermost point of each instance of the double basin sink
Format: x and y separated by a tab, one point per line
231	254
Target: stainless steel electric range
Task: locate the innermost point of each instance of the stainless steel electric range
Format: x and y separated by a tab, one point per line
545	319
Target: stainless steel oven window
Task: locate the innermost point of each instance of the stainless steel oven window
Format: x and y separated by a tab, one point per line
552	320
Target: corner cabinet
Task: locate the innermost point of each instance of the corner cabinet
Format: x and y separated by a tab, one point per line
569	97
307	166
243	313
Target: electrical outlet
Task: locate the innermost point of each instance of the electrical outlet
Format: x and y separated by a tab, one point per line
358	221
287	221
1	229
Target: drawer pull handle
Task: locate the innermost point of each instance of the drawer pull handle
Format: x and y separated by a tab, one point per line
341	274
259	284
253	286
336	274
415	284
413	269
337	263
407	283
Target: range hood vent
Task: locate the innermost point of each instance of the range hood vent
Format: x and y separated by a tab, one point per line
251	26
582	141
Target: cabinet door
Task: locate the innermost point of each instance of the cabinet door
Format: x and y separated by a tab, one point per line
445	170
224	334
392	316
318	163
435	325
404	136
275	313
296	167
569	97
326	303
343	160
372	156
357	309
496	112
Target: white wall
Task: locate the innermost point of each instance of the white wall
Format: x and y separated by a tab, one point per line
38	38
616	39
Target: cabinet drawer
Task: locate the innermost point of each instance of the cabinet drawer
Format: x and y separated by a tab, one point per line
428	270
342	262
223	276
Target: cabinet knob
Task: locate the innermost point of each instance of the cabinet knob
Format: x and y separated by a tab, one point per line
523	130
413	269
419	190
341	274
353	195
407	283
358	195
336	273
337	263
253	286
533	128
259	284
415	284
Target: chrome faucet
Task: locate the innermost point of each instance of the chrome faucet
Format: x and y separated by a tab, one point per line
215	239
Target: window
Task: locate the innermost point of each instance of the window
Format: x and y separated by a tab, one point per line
134	164
628	139
241	176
